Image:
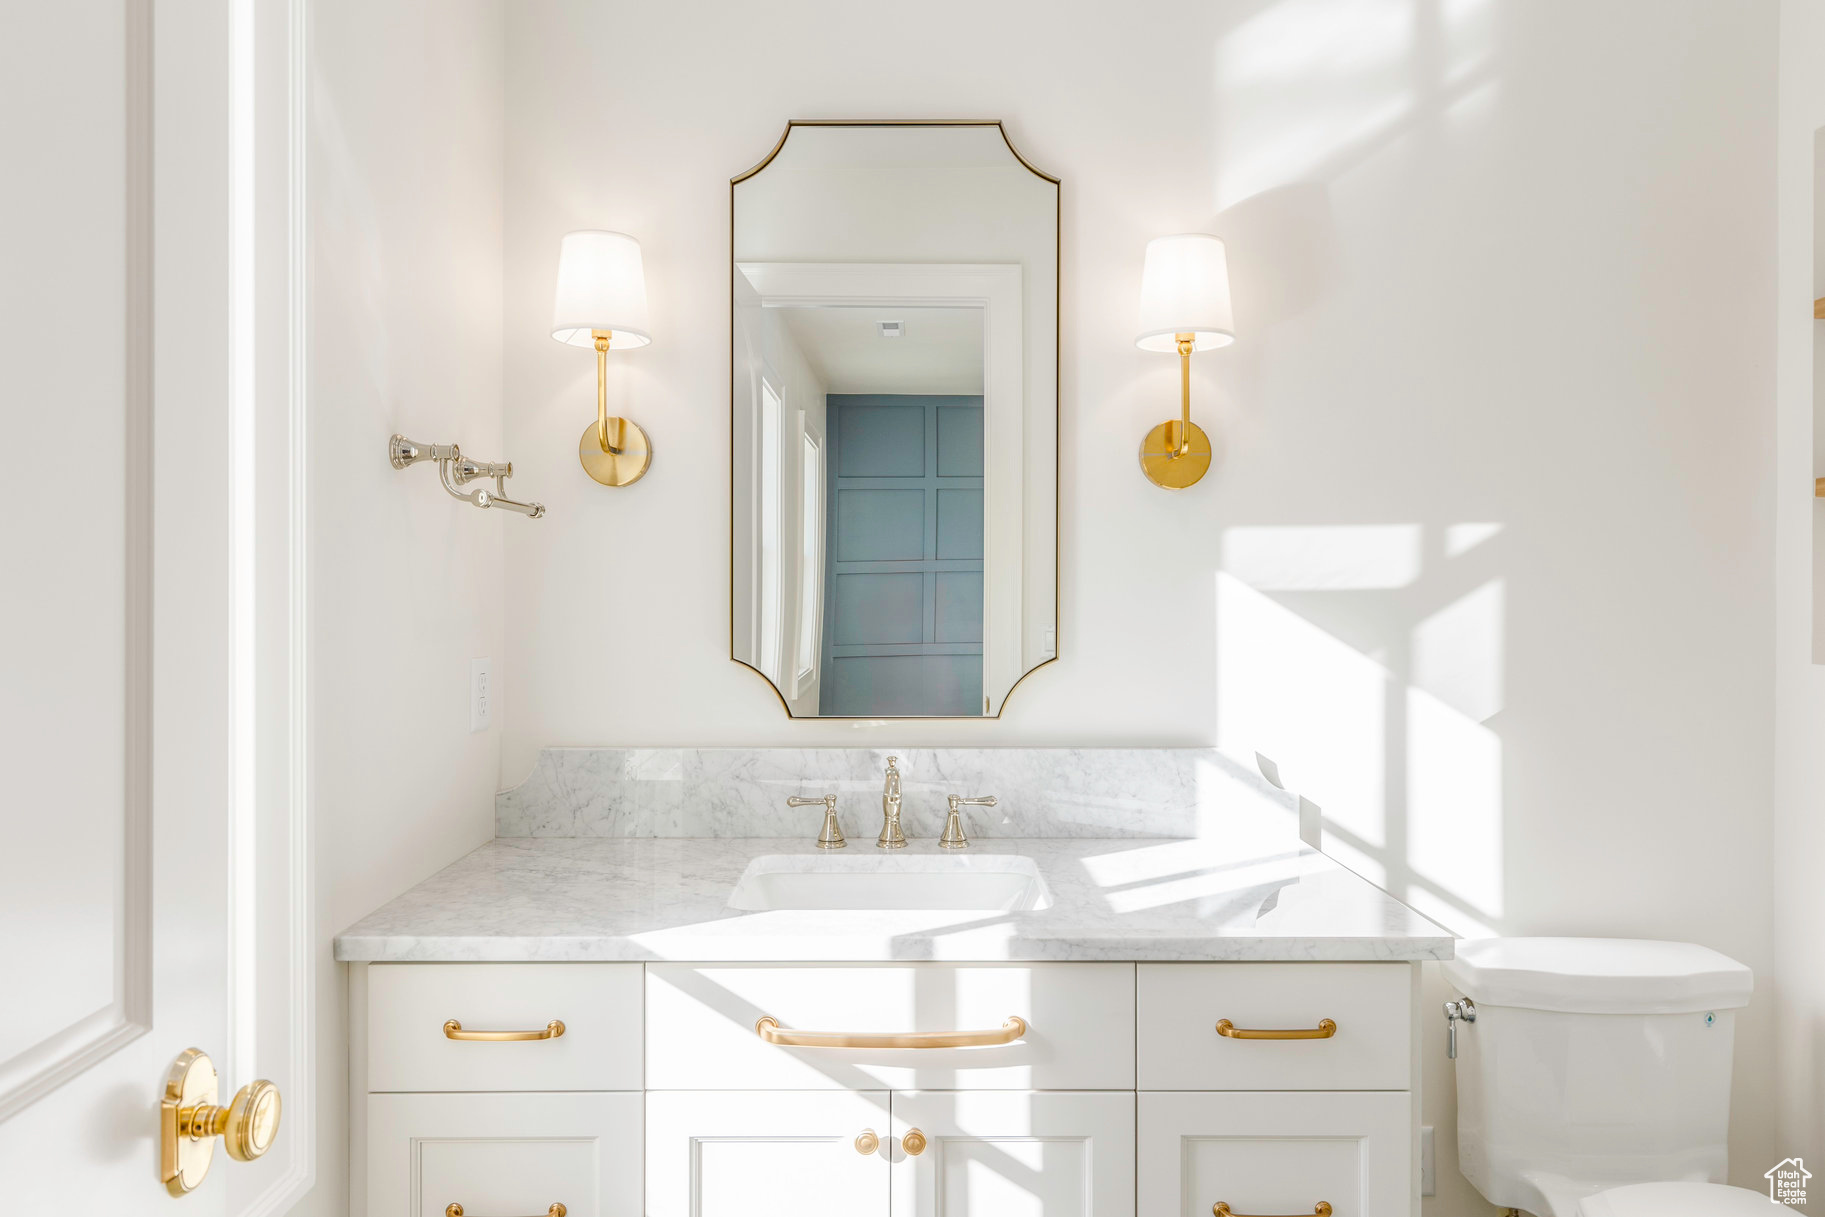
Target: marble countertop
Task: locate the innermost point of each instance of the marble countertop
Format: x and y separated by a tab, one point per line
667	898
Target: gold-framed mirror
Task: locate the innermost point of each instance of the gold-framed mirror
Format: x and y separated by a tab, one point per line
894	419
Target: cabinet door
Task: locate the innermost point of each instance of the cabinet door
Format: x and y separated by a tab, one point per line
503	1155
1014	1154
720	1153
1281	1154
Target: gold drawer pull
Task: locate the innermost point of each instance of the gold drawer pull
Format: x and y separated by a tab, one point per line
1323	1031
453	1030
556	1210
913	1142
768	1028
1221	1208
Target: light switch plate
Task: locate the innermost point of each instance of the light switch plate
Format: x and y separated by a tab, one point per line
481	694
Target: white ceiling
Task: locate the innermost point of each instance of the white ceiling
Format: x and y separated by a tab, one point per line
940	350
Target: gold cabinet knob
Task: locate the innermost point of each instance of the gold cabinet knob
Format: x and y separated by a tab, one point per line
190	1120
913	1142
866	1142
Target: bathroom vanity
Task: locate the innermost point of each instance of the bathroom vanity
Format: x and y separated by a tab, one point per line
1172	1027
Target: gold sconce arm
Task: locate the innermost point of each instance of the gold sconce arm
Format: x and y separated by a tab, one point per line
1176	454
615	451
1185	342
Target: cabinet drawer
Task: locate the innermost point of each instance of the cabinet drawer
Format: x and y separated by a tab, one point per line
1263	1153
1079	1026
1180	1006
499	1154
409	1003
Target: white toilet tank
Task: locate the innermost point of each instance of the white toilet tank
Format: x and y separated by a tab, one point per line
1592	1062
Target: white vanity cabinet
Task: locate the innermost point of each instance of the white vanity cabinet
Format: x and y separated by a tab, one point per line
1079	1089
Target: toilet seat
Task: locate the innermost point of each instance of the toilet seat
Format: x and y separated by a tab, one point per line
1679	1200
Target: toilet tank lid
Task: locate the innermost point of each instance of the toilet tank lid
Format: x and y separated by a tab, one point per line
1598	975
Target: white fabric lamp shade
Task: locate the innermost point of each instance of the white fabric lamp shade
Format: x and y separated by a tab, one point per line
1185	290
601	286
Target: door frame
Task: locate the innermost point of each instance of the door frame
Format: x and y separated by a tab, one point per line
274	954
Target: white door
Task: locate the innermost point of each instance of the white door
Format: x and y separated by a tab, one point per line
1013	1153
1287	1153
152	897
758	1153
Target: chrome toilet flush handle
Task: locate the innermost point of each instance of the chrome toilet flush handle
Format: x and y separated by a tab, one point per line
1463	1009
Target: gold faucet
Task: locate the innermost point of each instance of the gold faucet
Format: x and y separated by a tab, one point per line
891	837
953	837
832	835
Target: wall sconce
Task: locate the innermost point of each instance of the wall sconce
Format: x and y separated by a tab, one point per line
1184	308
601	301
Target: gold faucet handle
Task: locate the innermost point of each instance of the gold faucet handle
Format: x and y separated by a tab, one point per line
953	837
831	835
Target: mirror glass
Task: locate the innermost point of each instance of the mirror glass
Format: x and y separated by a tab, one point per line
895	419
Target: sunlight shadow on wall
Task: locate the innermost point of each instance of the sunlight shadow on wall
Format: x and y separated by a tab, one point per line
1391	744
1331	74
1290	691
1333	557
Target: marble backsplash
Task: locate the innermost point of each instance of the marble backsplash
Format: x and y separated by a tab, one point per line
741	792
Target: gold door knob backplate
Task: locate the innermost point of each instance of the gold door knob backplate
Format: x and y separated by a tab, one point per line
866	1142
190	1120
913	1142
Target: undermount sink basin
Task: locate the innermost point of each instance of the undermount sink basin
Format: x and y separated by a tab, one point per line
995	883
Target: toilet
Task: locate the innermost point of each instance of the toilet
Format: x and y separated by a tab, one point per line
1593	1076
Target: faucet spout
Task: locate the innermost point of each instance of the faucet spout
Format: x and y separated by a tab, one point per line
891	837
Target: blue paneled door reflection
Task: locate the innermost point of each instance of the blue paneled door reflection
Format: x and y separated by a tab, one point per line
903	602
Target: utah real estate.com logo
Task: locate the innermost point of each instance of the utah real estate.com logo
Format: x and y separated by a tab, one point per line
1787	1181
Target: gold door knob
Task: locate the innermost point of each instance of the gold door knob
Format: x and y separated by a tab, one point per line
190	1120
913	1142
866	1142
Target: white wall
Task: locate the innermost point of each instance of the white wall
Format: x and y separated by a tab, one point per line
1492	509
1799	830
405	164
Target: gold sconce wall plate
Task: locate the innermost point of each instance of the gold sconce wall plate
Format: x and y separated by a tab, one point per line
190	1120
626	458
1170	464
